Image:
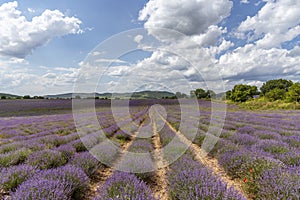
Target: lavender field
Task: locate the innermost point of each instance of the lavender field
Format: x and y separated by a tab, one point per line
42	156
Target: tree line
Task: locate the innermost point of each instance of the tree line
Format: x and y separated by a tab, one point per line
272	90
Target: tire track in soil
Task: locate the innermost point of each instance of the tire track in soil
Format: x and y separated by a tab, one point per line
159	186
103	174
209	162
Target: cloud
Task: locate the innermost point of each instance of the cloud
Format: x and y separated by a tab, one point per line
190	17
276	22
19	37
253	63
31	10
245	1
13	73
138	38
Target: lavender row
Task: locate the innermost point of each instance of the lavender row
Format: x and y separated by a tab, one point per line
187	178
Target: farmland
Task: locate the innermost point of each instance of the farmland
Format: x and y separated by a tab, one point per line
151	152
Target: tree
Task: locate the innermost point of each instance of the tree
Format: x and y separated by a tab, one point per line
211	94
242	93
3	97
26	97
200	93
293	95
227	95
277	83
275	94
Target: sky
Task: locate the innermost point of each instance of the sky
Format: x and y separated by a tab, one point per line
50	47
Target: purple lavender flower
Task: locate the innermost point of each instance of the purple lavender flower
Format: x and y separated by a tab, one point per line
124	186
67	150
73	178
243	139
246	130
86	162
43	189
278	183
14	158
13	176
46	159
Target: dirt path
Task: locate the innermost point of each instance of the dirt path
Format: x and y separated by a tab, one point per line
159	187
209	162
104	173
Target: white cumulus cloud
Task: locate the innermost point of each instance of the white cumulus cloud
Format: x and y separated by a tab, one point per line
277	22
190	17
19	36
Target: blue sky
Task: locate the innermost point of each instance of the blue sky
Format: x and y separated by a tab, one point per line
46	45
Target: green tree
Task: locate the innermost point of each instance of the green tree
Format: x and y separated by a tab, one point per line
26	97
3	97
242	93
227	95
211	94
275	94
277	83
200	93
293	95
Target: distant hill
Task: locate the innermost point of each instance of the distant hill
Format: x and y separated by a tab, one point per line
9	95
134	95
220	95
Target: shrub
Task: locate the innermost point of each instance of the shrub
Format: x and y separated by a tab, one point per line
9	147
105	152
274	147
46	159
14	158
67	150
73	178
250	172
243	139
141	164
278	183
13	176
223	146
246	130
233	161
189	179
291	158
42	189
200	184
52	140
86	162
79	145
121	135
124	186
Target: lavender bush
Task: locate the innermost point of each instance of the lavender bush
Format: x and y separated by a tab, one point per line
124	186
42	189
73	178
67	150
86	162
13	176
14	158
278	183
189	179
46	159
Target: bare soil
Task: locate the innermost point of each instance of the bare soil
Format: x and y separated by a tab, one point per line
160	185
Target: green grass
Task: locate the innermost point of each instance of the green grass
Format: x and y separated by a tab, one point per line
264	104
